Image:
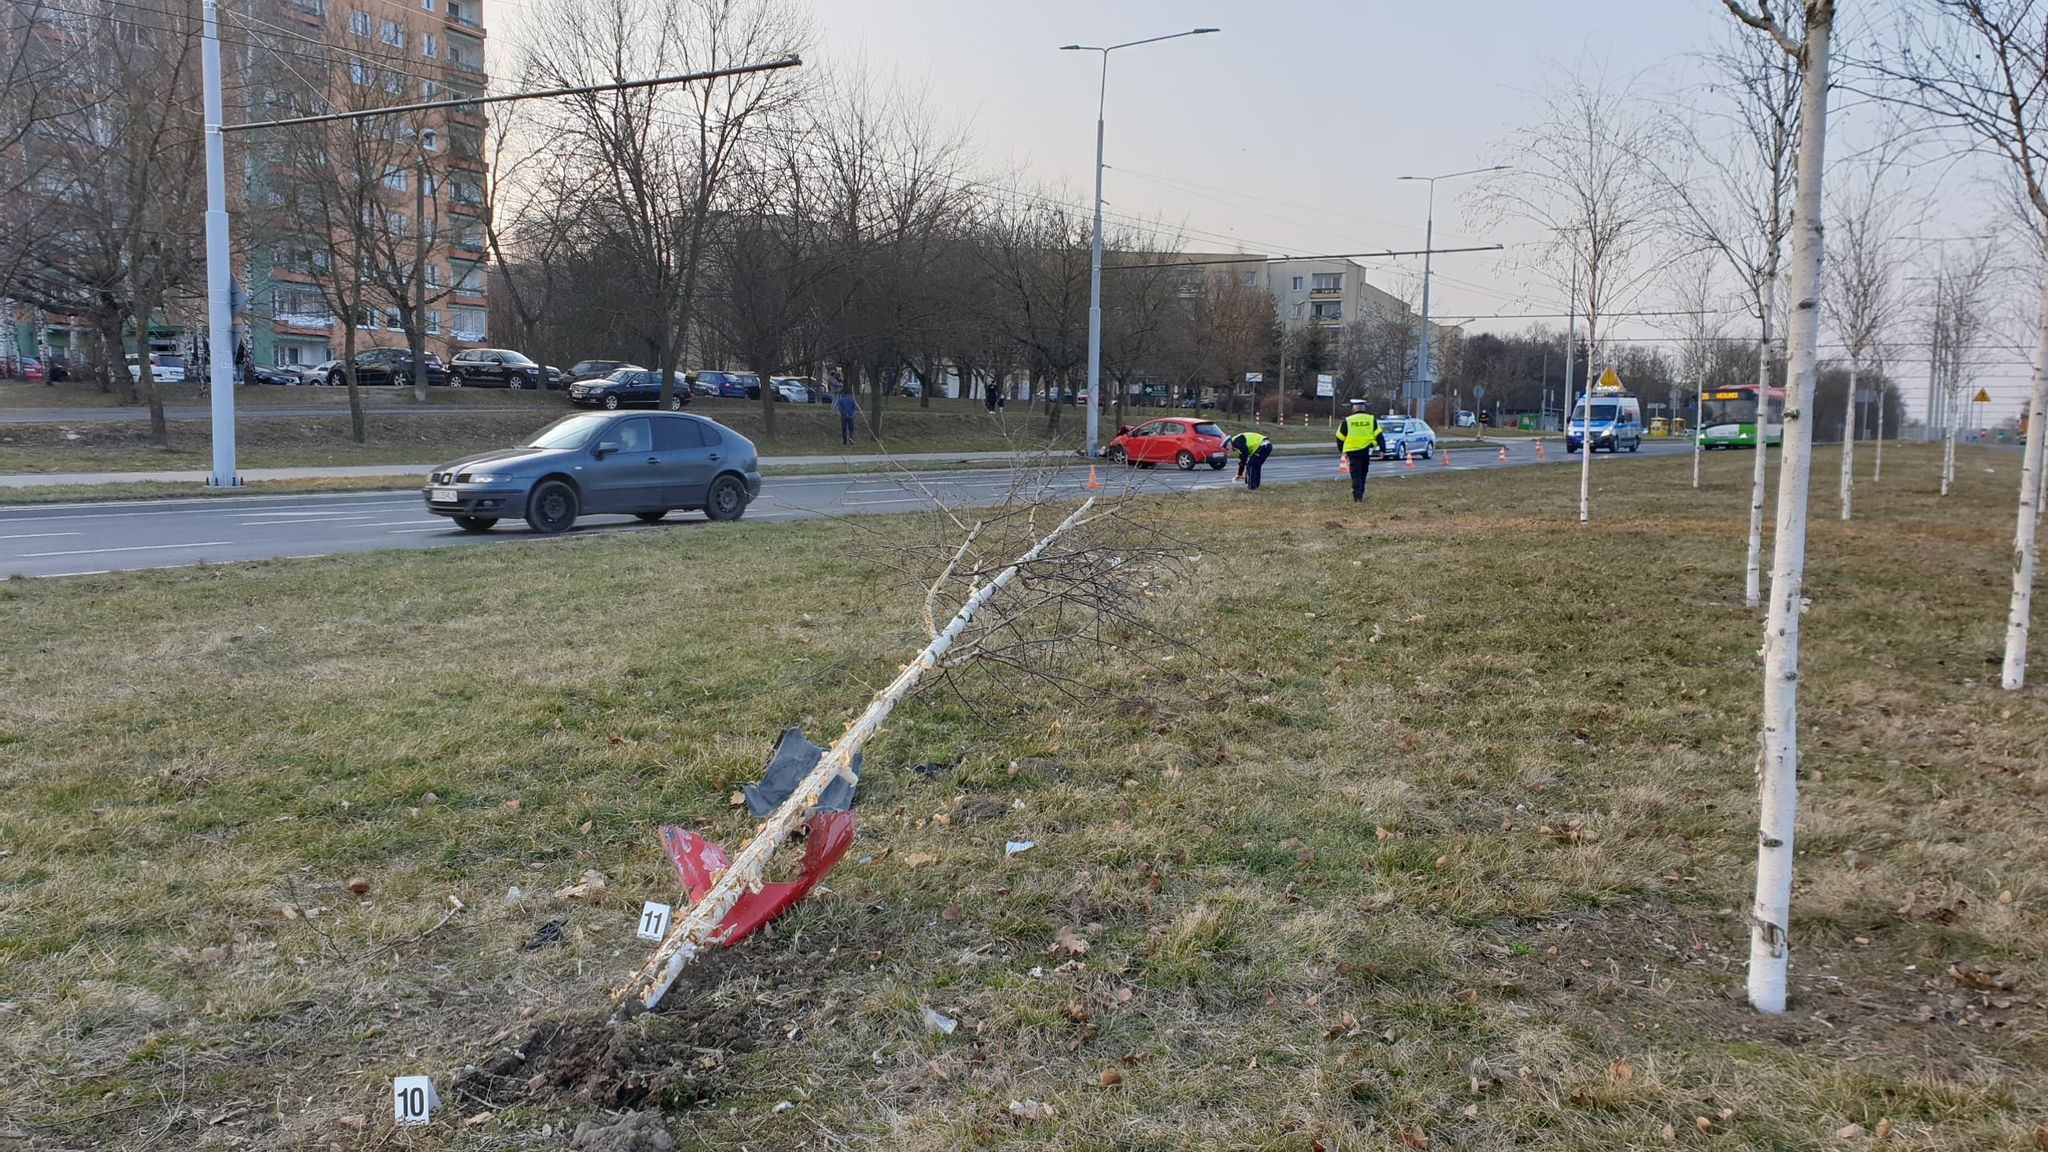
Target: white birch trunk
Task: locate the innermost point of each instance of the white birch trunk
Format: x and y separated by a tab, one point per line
1778	759
1699	408
1586	441
1877	467
1849	438
1753	572
687	938
1948	443
2033	482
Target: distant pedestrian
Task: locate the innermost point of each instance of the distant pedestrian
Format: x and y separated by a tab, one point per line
847	410
1356	438
1252	450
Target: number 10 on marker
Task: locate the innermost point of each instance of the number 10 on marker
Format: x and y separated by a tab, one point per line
413	1099
654	921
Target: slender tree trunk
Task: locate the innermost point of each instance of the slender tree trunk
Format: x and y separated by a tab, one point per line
2032	482
1849	436
1948	439
1877	468
1778	763
1699	447
159	432
760	367
1753	571
358	425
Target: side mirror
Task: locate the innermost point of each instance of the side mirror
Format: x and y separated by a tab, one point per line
607	448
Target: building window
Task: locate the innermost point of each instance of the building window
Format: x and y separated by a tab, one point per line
468	324
470	282
1330	310
394	83
359	22
1329	282
397	224
427	48
433	314
393	320
1297	283
358	74
426	5
394	179
434	276
1248	279
393	34
430	139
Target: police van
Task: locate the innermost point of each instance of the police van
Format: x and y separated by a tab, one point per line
1616	419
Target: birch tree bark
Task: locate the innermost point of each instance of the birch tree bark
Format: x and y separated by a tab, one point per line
1778	759
2033	481
1753	568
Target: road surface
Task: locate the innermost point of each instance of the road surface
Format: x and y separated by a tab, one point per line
91	538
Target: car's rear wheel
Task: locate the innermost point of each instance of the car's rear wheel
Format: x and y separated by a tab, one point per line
611	403
727	499
552	508
1216	465
1117	455
677	402
1184	460
475	523
653	517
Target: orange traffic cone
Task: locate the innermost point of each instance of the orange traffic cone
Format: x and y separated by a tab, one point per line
1408	460
1092	485
1539	450
1447	459
1503	453
1343	464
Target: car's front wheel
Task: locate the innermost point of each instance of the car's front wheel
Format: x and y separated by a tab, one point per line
1117	455
611	403
727	499
475	523
552	508
1216	465
678	402
1184	460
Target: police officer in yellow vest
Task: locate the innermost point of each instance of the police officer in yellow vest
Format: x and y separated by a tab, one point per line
1252	450
1357	435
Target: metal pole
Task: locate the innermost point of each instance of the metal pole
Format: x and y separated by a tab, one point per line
1095	269
419	275
1423	383
220	321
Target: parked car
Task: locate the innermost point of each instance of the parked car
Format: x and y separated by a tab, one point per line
731	385
388	367
1466	419
163	367
325	372
31	369
1181	440
594	369
643	464
554	378
494	368
627	388
911	388
1401	436
791	389
264	374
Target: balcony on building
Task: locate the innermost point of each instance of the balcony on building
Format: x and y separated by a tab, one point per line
466	54
466	14
1326	284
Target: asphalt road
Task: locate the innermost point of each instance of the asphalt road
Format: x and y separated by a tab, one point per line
91	538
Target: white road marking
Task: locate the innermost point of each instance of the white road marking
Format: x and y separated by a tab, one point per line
132	548
898	500
34	535
339	520
410	531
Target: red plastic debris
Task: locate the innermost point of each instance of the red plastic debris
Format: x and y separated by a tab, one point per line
827	836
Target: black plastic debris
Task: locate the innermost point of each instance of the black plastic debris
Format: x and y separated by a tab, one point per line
793	760
551	932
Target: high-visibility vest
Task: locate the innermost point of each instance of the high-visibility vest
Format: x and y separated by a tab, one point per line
1250	440
1360	430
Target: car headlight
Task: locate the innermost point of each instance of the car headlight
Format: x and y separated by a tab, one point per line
487	478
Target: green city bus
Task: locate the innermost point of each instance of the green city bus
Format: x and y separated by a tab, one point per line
1727	417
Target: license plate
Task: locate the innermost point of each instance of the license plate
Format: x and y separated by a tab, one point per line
442	495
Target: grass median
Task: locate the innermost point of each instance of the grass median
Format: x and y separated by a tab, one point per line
1439	829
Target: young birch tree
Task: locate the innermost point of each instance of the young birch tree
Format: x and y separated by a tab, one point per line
1959	318
1742	210
1699	337
1982	66
1778	759
1583	173
1861	297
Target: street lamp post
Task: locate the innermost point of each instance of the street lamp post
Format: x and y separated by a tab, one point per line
1424	384
1095	248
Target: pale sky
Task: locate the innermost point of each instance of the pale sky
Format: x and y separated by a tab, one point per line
1286	131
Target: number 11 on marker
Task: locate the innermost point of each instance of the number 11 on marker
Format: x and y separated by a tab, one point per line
654	921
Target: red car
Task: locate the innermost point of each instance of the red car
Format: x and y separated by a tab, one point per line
1183	440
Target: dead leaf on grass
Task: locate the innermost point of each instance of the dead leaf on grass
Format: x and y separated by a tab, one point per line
919	859
1066	942
1415	1138
1110	1078
1850	1132
588	886
1620	1072
1983	979
1031	1111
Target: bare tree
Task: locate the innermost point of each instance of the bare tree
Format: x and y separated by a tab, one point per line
1806	39
1740	207
1862	298
1958	314
654	161
1583	171
1234	324
1700	333
1981	66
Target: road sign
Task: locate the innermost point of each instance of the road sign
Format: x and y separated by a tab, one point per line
1255	377
1609	382
1479	391
1982	397
1326	385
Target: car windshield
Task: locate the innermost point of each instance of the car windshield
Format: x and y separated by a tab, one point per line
1601	411
1207	429
568	432
623	375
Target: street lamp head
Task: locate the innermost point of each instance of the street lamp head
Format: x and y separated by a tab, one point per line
1202	31
1070	47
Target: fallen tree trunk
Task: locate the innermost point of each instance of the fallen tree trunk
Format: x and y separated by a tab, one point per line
689	935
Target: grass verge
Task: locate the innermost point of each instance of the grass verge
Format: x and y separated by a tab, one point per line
1442	835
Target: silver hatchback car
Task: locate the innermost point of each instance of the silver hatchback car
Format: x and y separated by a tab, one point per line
642	464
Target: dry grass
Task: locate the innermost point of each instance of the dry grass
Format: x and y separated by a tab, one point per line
1476	878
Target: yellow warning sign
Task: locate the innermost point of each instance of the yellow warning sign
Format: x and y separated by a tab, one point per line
1982	397
1609	382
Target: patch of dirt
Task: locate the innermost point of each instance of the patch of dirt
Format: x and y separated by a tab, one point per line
669	1060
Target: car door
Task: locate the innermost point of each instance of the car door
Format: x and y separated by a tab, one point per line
689	451
1145	443
627	477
